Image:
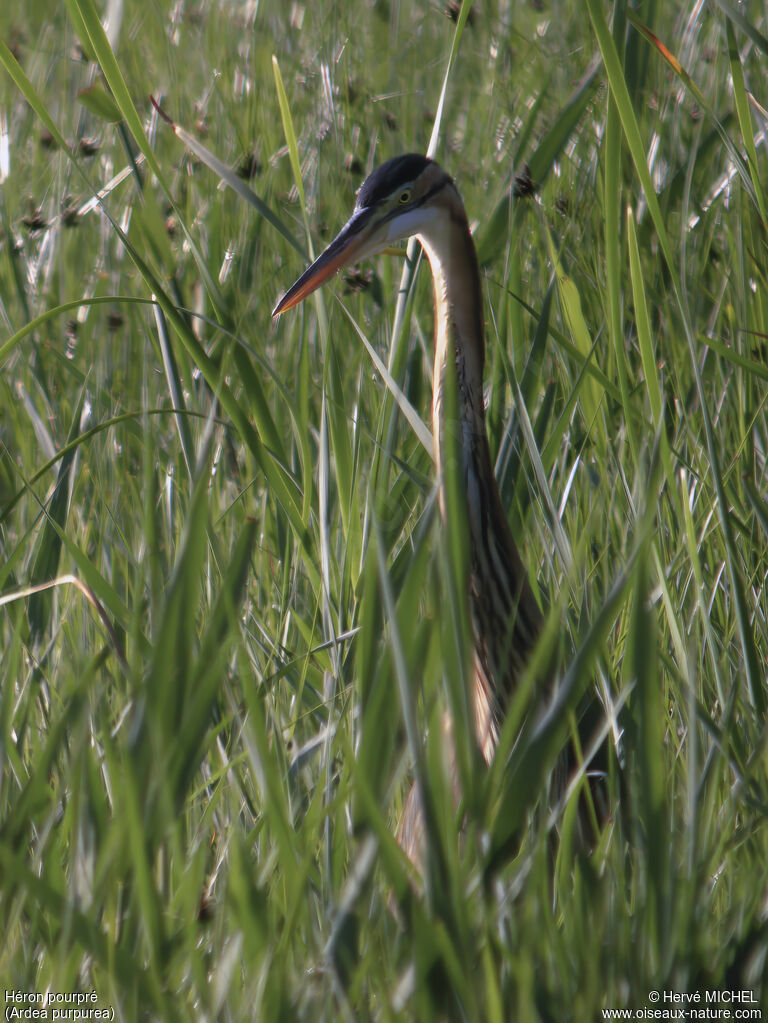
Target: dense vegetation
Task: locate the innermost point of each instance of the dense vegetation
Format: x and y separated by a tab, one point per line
201	720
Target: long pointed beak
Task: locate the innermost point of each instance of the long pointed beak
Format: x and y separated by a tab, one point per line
349	246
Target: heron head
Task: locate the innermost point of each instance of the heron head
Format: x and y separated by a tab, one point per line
399	199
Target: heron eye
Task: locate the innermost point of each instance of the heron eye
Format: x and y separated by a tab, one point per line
405	196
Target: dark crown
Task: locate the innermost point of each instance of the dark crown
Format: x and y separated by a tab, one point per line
401	170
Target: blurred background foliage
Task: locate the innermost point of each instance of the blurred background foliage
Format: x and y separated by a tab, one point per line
203	757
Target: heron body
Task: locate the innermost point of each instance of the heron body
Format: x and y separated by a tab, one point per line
413	195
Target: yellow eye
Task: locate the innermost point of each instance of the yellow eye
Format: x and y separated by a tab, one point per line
404	197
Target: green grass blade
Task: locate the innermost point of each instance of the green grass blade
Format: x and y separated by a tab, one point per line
236	183
737	18
745	120
540	744
643	323
634	142
290	135
48	553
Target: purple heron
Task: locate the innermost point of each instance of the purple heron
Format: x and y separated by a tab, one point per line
413	195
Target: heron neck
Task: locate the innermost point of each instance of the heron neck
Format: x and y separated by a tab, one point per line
505	615
459	333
